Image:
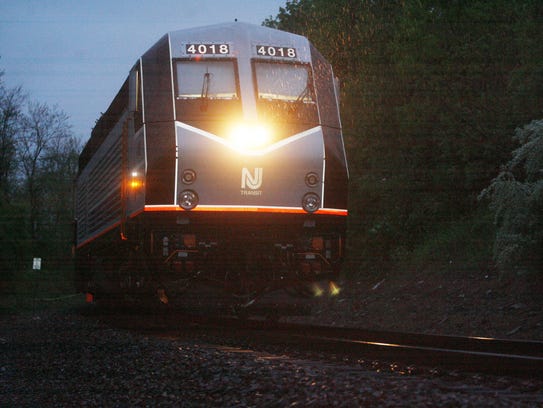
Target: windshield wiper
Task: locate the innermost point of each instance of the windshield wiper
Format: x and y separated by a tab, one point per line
306	93
205	91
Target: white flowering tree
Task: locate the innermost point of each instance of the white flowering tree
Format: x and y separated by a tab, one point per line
516	197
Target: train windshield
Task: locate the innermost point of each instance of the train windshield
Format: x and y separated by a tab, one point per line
284	82
206	80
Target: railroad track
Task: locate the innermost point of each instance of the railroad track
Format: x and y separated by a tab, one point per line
468	354
464	353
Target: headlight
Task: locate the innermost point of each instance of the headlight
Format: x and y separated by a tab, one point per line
188	199
249	136
311	202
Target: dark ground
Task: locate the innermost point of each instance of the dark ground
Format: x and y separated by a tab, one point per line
473	303
51	356
455	302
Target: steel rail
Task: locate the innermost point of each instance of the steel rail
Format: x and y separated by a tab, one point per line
471	354
522	358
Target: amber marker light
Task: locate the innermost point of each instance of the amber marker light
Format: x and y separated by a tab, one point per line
248	137
135	181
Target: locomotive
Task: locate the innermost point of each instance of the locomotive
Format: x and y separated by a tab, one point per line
219	164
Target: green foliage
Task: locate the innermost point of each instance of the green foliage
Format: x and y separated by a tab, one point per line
14	239
32	290
516	197
464	244
431	92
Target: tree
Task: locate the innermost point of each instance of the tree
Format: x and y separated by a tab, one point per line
38	164
12	214
431	92
11	104
56	216
44	131
516	197
456	67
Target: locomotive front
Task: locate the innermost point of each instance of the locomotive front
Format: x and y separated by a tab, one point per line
238	164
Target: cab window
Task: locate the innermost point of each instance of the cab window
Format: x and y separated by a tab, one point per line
206	80
285	96
283	82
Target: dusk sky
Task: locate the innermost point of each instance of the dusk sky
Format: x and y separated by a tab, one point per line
76	54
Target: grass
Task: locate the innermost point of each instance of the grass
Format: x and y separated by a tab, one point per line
465	244
32	291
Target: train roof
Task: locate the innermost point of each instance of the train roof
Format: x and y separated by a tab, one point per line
243	35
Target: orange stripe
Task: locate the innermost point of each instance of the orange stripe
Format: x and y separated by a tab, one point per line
213	208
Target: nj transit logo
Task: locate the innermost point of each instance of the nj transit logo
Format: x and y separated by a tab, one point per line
251	181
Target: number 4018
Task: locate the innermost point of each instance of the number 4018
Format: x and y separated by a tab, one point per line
271	51
208	49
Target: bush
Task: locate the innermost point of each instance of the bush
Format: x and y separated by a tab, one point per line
516	198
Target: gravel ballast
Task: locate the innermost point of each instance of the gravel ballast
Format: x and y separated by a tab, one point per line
66	359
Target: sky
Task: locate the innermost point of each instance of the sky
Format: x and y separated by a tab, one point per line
76	54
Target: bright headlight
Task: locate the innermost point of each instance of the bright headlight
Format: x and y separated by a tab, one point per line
249	136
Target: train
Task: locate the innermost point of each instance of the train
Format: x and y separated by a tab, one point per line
220	164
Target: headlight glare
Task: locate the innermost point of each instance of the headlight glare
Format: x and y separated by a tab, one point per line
249	136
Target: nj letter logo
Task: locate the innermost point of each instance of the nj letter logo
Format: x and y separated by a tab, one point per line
252	181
